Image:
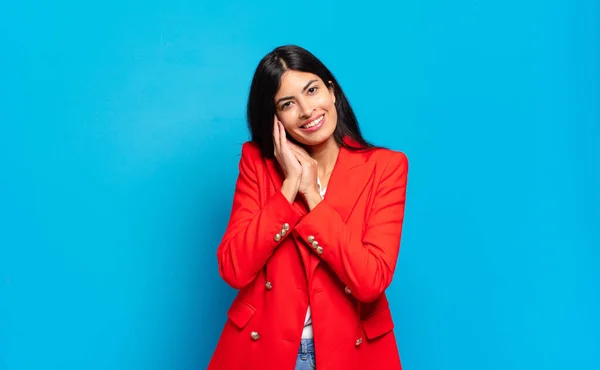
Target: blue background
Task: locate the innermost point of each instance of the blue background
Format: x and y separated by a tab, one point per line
121	128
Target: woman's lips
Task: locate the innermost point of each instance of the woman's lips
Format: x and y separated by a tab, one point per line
315	125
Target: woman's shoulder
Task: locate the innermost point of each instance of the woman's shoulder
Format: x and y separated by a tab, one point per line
381	155
251	157
250	148
377	154
251	153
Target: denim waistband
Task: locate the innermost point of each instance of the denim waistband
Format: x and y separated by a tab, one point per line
307	346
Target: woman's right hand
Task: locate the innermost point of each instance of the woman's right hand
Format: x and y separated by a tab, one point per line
291	167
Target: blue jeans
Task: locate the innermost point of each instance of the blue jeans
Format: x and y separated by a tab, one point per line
306	355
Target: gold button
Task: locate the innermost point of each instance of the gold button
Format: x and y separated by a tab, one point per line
347	290
319	250
311	239
254	335
283	231
277	237
315	244
358	341
269	285
286	226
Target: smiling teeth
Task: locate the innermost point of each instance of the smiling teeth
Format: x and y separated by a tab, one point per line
315	122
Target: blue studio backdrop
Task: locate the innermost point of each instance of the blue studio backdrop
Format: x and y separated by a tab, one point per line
121	124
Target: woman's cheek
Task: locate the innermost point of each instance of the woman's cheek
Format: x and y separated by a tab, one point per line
285	118
324	100
290	121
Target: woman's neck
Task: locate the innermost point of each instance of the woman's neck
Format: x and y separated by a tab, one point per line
326	155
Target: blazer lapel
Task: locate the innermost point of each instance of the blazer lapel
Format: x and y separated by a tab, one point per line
347	182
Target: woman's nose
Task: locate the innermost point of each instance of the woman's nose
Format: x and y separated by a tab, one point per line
306	110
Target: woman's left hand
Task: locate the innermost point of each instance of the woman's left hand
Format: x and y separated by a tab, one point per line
308	183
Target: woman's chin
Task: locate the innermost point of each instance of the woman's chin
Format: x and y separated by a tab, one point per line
313	143
315	140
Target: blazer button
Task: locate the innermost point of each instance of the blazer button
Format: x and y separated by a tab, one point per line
319	250
311	239
277	237
315	244
254	335
359	341
286	226
269	285
347	290
283	231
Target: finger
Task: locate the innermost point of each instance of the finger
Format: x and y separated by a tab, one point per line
275	133
282	138
301	157
299	148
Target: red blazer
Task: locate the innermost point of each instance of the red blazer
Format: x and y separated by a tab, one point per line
340	257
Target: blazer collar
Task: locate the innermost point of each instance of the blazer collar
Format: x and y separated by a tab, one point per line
351	158
350	175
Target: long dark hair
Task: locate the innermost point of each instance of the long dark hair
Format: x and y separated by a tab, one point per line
265	83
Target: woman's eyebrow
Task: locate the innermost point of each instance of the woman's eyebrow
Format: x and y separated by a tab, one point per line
291	97
308	84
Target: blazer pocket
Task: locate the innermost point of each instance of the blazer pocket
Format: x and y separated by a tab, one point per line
378	324
240	313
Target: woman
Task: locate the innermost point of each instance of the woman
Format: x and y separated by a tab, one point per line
314	232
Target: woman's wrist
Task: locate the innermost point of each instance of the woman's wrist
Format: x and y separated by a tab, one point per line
312	198
290	188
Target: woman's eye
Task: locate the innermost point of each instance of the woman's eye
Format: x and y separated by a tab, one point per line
286	105
312	90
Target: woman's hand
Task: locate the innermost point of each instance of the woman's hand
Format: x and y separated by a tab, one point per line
284	155
308	187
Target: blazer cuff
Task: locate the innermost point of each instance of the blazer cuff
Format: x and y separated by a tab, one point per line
316	227
283	215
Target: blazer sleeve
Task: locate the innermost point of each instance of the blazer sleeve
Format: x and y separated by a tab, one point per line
250	237
364	260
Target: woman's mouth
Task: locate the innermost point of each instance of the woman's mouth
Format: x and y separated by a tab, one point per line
315	124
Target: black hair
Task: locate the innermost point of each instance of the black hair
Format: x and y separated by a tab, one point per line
265	83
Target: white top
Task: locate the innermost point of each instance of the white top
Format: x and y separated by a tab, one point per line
307	332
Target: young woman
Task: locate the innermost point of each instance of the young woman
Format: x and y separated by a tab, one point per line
314	232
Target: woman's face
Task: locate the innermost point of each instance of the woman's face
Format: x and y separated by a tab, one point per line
306	107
